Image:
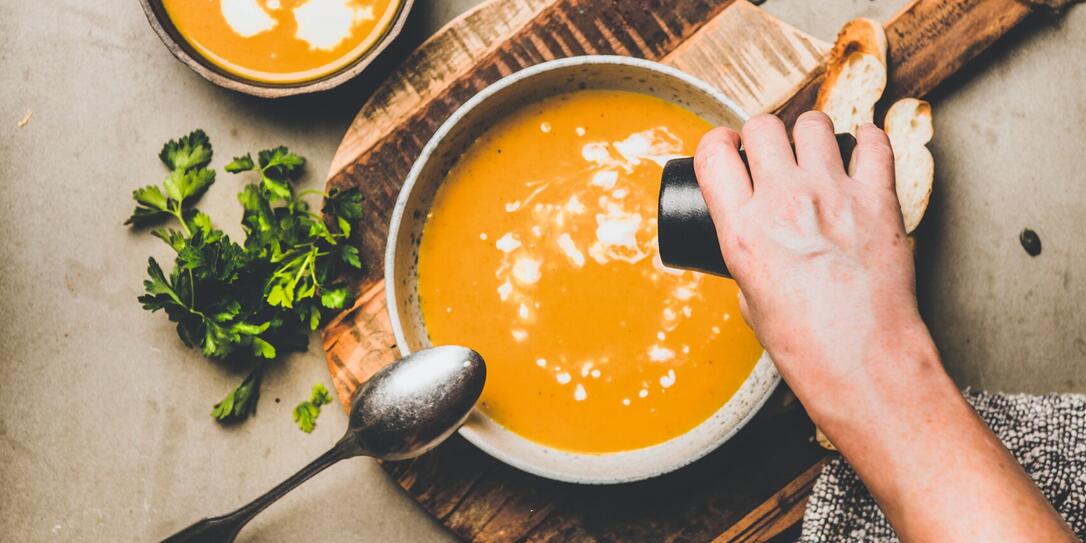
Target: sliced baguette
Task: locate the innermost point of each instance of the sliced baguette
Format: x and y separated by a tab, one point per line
855	75
823	441
908	124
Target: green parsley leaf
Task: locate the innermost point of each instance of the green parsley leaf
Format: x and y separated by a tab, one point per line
195	183
306	412
263	348
157	287
277	187
314	317
154	206
334	298
278	168
150	196
189	152
277	297
144	216
346	204
172	237
201	222
240	402
242	163
349	254
280	158
188	180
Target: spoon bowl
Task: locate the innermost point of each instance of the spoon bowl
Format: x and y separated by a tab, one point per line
408	408
404	410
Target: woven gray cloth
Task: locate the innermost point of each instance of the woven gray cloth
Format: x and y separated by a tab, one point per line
1047	434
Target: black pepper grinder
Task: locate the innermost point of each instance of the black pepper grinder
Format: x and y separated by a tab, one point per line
685	232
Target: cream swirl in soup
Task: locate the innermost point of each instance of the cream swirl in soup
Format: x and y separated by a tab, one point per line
540	253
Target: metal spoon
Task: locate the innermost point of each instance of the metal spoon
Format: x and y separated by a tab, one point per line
404	410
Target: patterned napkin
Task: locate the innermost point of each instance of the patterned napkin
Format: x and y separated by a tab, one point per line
1047	434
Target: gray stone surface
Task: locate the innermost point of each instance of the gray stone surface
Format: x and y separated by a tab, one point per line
104	433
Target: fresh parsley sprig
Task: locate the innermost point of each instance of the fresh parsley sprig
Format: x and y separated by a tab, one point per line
306	412
283	231
240	402
254	301
189	178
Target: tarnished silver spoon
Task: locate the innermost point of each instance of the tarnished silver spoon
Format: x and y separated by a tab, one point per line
404	410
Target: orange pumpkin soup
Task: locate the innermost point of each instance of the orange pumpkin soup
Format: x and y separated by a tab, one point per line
540	253
281	41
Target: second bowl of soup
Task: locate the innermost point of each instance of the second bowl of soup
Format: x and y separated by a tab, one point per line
527	231
277	48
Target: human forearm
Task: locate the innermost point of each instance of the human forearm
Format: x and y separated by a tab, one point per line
827	283
936	470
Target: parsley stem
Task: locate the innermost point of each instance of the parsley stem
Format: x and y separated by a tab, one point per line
301	269
313	274
192	291
179	213
312	191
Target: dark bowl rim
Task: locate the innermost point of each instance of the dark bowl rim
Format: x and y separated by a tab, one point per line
181	50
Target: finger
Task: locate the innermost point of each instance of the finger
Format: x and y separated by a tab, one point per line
766	142
816	146
873	159
723	177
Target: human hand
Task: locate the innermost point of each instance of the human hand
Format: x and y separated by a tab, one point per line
828	285
820	256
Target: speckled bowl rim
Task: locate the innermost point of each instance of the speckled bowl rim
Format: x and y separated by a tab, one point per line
181	50
541	460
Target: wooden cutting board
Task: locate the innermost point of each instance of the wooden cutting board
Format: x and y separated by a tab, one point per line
756	485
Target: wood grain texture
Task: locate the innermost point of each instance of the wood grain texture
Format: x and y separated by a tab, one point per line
757	61
359	342
929	41
779	513
755	486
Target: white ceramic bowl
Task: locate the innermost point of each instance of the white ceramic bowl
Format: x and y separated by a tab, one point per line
409	216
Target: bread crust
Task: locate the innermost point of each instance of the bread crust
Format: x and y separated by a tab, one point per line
909	126
855	75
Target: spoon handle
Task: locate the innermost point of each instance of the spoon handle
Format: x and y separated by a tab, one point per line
223	529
